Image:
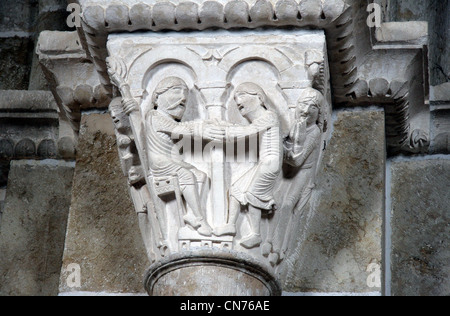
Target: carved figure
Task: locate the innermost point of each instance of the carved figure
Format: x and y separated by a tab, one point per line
129	158
151	225
301	150
163	127
254	190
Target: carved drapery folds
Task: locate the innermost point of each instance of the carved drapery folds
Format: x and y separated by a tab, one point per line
220	138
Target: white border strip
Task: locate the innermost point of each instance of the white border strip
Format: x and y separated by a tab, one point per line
86	293
331	294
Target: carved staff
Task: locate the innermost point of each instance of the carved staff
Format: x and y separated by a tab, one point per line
117	71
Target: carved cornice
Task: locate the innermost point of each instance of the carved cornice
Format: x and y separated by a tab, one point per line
385	66
34	114
352	47
151	15
72	78
100	18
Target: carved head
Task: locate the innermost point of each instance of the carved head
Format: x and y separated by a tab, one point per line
249	98
170	96
311	106
120	119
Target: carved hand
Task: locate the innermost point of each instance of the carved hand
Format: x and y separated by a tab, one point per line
129	105
299	135
214	132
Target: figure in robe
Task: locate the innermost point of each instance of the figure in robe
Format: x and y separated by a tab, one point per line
163	128
254	190
301	153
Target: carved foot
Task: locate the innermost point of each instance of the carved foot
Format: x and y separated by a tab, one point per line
204	229
274	258
266	249
252	241
227	230
163	248
192	220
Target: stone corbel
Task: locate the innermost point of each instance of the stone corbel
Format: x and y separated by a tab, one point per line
73	81
385	66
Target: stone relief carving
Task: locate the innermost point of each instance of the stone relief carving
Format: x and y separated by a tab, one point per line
221	141
254	190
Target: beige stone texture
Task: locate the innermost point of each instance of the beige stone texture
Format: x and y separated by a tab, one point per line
103	234
338	242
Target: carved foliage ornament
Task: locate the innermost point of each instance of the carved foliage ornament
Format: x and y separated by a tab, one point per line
220	138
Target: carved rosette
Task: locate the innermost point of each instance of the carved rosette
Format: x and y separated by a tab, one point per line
220	138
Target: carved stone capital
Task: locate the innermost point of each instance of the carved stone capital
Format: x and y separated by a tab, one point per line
213	210
188	101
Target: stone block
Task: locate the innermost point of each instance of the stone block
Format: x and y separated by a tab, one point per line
28	125
2	202
420	199
18	15
339	244
103	235
15	55
436	13
33	227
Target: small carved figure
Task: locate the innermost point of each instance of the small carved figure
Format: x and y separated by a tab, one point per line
302	147
301	151
152	228
129	158
254	190
163	128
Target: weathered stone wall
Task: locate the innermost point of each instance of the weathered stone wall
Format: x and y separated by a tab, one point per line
339	248
2	201
343	236
33	226
21	21
420	223
103	234
17	20
436	13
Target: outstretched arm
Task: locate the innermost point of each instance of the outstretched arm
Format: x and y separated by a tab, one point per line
259	126
199	129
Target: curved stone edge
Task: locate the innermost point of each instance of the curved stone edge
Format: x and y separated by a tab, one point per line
148	15
36	113
225	258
